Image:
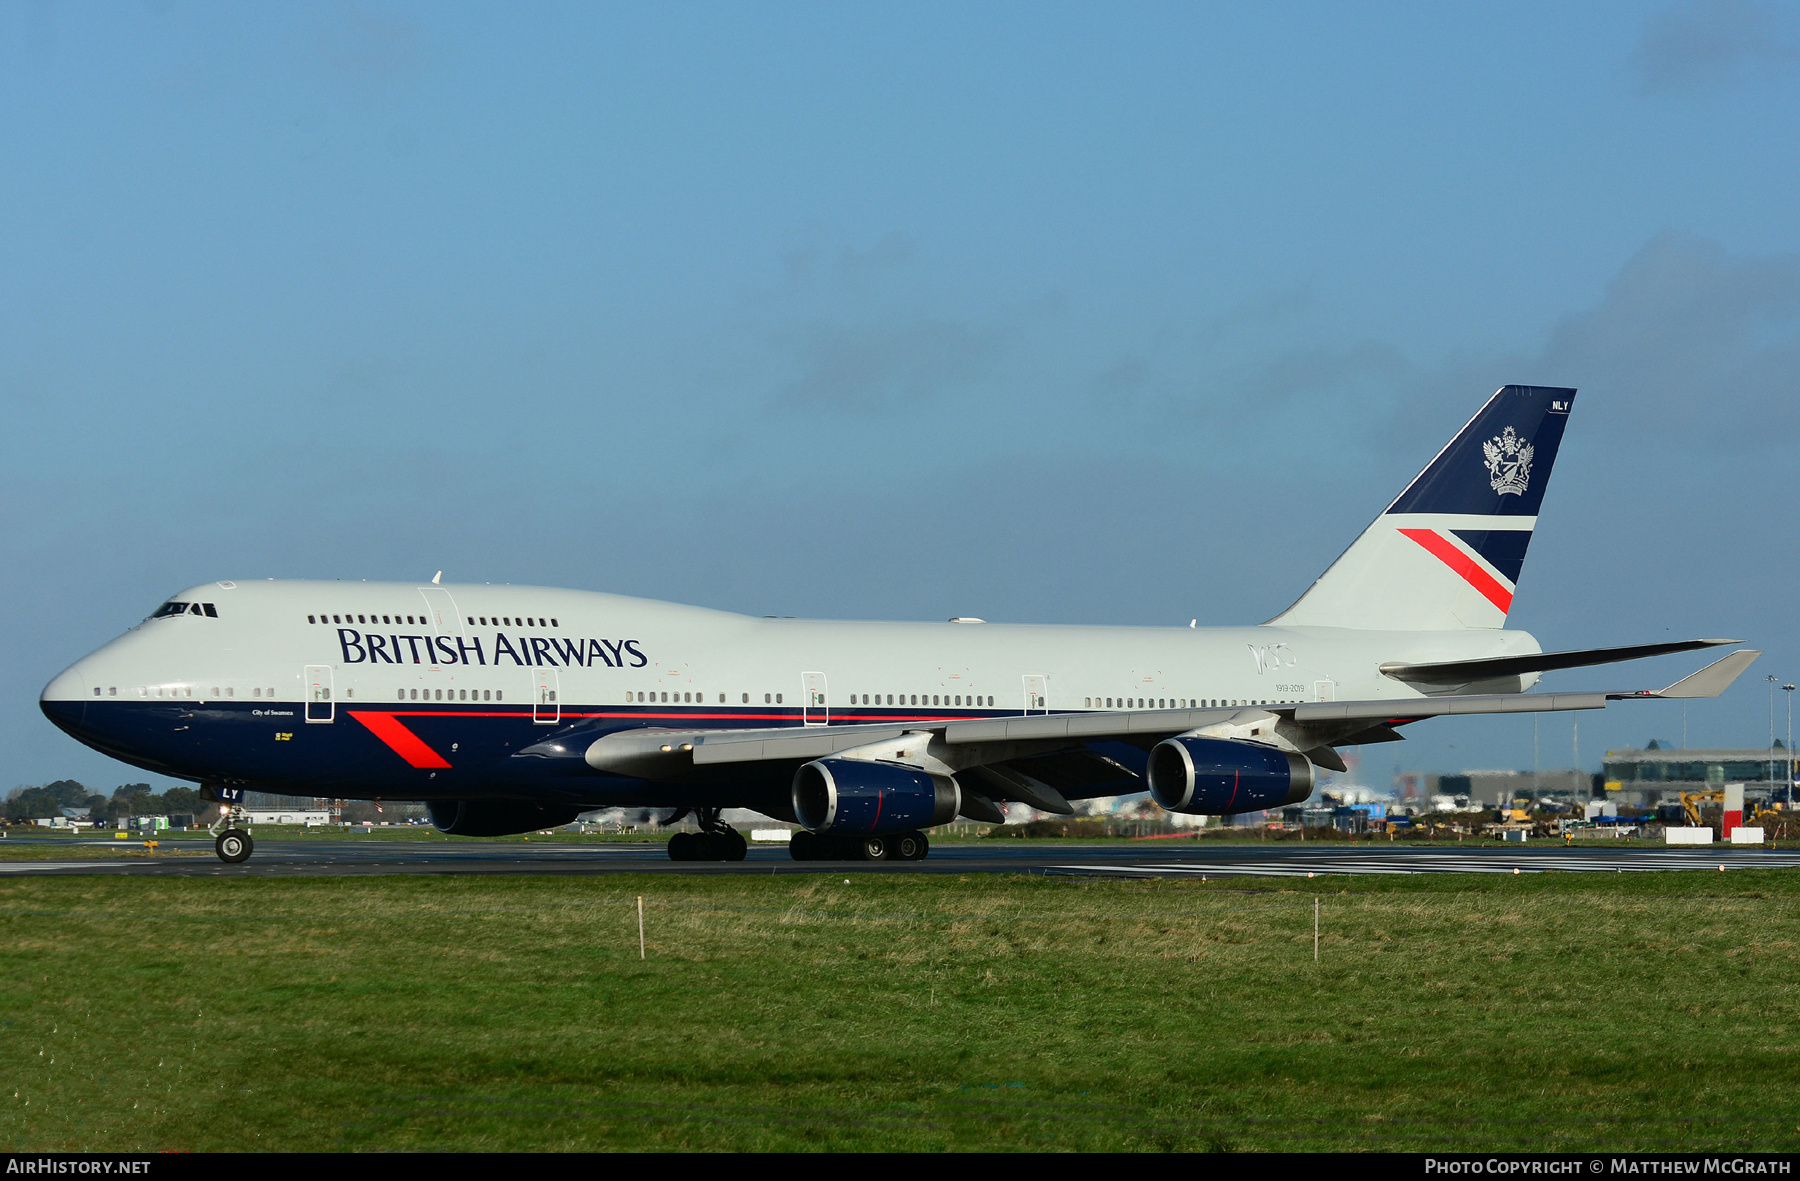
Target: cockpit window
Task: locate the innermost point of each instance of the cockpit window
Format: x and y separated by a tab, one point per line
208	610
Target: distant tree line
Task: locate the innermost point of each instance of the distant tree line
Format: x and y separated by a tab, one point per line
131	799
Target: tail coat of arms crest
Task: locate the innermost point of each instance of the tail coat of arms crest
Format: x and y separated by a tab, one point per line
1508	462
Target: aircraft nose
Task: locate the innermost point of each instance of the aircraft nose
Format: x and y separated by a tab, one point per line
64	701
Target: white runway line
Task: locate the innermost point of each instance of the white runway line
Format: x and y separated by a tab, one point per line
1650	862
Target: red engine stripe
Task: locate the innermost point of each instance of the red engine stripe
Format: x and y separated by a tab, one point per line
404	742
1440	548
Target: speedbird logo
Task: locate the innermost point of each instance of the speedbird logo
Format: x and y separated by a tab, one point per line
1508	463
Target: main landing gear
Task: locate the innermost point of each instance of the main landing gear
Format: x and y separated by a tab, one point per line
716	840
900	846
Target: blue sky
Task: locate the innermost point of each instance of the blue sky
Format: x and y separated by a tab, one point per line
1105	313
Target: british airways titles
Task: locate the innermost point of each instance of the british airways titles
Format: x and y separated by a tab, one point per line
537	651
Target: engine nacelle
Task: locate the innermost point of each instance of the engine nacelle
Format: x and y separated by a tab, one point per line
497	818
870	798
1218	776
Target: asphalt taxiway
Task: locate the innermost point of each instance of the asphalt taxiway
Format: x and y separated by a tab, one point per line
325	857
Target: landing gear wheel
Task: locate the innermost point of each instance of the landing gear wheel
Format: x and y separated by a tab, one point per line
681	847
233	846
804	846
873	848
910	846
730	845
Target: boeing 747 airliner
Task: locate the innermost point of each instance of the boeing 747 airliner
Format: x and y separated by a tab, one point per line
508	709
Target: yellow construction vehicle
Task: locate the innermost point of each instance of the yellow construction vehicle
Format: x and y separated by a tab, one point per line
1755	813
1691	801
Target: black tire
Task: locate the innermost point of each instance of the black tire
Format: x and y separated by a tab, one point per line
731	845
910	846
234	845
803	846
874	848
681	847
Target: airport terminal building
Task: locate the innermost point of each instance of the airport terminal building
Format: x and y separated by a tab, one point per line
1640	778
1658	775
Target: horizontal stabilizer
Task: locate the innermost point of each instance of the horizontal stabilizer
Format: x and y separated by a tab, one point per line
1463	672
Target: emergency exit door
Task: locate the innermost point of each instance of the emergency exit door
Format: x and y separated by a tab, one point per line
815	705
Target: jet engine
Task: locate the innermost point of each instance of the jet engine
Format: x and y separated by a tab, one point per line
497	818
1220	776
871	798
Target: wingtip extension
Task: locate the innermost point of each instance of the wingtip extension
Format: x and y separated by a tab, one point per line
1715	678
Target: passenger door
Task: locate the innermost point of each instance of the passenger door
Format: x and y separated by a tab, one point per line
319	706
546	710
815	705
1037	694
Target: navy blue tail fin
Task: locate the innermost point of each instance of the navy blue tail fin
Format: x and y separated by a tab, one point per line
1499	464
1447	553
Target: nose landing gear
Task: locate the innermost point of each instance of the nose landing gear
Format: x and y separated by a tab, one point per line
233	844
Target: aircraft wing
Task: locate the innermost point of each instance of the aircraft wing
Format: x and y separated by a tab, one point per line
1316	724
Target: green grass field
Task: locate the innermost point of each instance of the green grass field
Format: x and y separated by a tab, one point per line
1556	1011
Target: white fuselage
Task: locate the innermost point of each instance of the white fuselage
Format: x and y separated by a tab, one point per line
404	691
262	642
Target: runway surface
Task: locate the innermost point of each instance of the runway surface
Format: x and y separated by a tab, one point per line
324	857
